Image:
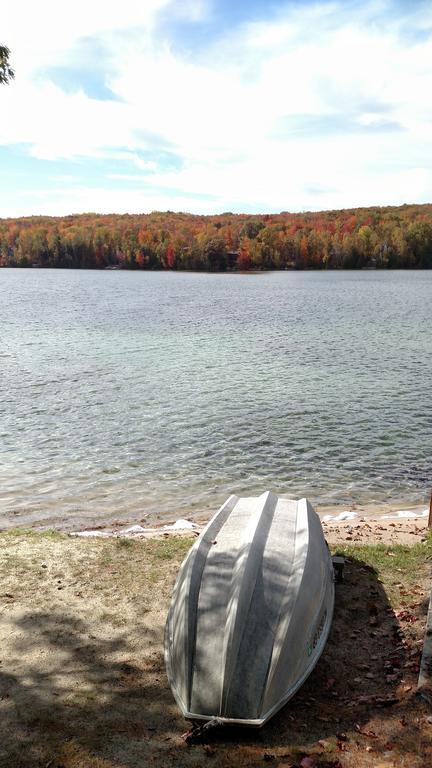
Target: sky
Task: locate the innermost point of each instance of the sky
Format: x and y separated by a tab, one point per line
209	106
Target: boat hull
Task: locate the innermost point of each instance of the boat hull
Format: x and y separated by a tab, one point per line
251	611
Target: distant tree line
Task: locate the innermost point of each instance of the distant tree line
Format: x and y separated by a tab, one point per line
393	238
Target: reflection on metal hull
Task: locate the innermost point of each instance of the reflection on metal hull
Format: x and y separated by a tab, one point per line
251	610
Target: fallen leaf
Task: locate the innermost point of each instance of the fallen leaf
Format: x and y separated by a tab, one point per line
210	751
386	701
324	744
406	616
308	762
391	678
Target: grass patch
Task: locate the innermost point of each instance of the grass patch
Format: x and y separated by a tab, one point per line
128	571
394	559
169	549
50	533
125	543
399	567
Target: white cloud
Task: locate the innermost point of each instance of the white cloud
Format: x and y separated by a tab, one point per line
228	112
76	199
40	33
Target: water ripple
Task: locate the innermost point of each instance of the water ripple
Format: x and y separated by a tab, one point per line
153	393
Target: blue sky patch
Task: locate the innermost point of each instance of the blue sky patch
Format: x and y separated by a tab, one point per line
222	17
73	79
311	126
87	68
17	164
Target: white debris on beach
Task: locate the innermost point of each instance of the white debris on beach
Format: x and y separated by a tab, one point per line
135	529
397	514
86	534
180	524
138	530
404	513
347	515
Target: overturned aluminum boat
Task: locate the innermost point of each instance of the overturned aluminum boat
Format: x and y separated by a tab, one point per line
250	612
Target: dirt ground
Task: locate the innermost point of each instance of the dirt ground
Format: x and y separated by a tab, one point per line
82	678
373	531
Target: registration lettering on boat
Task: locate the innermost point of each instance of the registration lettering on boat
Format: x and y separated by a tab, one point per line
317	634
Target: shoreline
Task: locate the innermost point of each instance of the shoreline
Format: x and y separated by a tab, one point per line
401	522
336	512
367	524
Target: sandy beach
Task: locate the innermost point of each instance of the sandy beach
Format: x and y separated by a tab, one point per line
367	525
373	531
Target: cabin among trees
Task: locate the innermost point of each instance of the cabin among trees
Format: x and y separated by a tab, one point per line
381	238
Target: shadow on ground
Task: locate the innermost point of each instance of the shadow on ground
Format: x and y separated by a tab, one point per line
85	701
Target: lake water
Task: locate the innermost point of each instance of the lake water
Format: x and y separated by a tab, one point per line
133	394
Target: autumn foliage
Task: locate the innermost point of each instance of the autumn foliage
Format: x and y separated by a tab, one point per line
397	237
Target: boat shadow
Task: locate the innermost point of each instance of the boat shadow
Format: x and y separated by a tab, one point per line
357	679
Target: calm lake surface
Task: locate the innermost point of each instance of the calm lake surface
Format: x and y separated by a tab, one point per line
126	394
